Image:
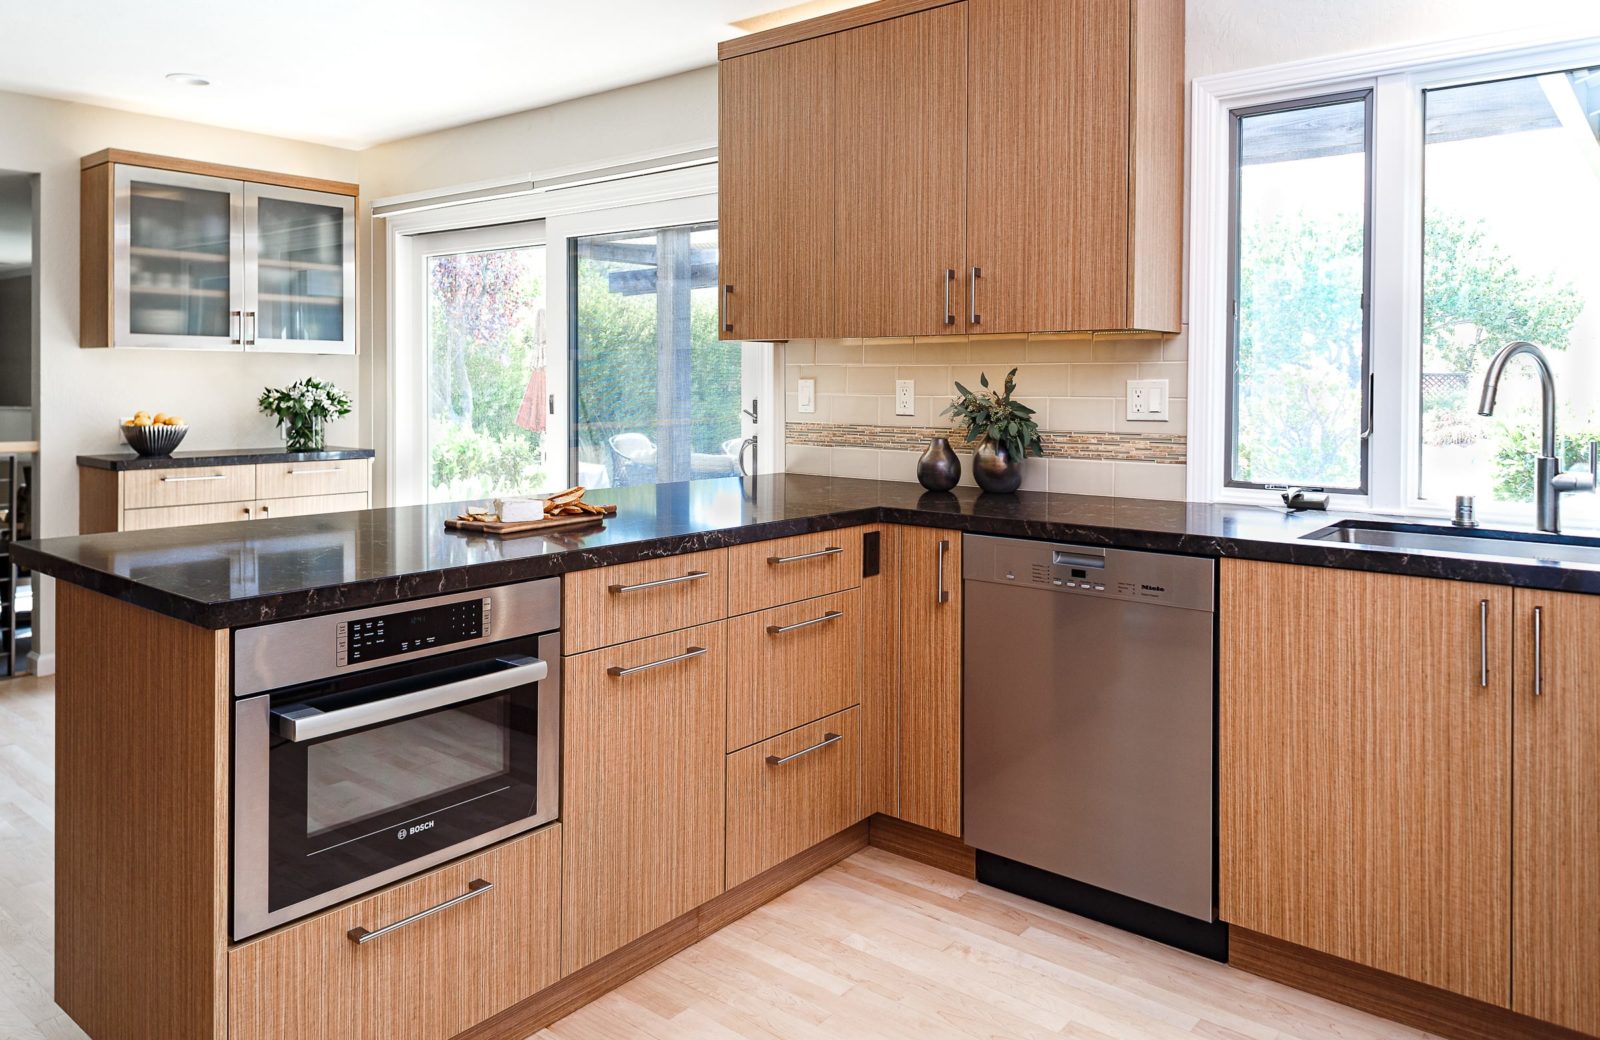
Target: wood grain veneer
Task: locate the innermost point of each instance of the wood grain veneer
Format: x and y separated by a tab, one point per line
755	584
1364	774
880	677
787	679
99	500
642	789
589	983
901	95
1437	1011
1555	951
779	811
823	25
184	516
596	616
141	821
108	156
776	191
923	845
152	488
930	680
1155	206
300	479
96	298
310	505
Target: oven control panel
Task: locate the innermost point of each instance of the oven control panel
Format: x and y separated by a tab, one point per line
374	637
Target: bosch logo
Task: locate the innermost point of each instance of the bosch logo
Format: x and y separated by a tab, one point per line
403	833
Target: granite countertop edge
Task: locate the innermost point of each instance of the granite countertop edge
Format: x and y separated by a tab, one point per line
123	461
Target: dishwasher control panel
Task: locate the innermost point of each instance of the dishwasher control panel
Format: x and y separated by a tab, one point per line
1122	574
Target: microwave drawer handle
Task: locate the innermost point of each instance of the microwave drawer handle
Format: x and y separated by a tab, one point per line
301	722
475	888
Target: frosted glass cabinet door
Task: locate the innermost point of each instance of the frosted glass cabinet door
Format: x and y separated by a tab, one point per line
300	255
179	259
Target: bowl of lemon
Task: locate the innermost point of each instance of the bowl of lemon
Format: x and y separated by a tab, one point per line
153	436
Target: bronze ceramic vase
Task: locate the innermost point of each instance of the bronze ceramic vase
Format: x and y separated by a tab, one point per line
996	470
939	469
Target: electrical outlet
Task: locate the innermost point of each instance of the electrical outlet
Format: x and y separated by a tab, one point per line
1147	400
905	397
808	396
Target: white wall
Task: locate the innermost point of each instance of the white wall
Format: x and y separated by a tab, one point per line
82	393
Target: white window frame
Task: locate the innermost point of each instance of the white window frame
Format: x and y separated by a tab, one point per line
404	361
1397	77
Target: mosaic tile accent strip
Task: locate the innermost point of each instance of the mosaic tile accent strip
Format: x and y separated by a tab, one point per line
1164	448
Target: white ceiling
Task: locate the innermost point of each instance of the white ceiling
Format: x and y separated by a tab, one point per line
354	72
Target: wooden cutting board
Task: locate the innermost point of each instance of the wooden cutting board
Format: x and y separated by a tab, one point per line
496	527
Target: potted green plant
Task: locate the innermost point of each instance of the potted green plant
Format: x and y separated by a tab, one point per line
1005	427
302	409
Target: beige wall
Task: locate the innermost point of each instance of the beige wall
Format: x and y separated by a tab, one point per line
83	392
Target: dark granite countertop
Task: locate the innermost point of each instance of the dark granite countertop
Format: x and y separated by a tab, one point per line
222	457
249	572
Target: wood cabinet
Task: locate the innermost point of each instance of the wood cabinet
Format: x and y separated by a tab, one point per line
786	570
309	505
643	787
1365	769
1555	859
428	979
179	496
632	600
797	663
1022	160
180	254
776	192
930	678
788	793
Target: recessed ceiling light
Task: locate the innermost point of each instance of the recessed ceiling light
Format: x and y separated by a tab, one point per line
188	79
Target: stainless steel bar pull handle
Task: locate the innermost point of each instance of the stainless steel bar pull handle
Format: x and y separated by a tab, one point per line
235	327
949	280
477	887
188	480
1538	651
727	322
313	472
972	297
250	336
617	671
827	738
1483	643
832	550
301	722
617	590
940	593
778	630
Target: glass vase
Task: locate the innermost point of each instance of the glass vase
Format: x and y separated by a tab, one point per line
302	433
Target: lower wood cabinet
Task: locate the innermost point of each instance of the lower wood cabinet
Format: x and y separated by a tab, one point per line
791	792
642	790
310	505
797	662
930	678
428	979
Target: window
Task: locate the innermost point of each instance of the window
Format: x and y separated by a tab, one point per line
1368	232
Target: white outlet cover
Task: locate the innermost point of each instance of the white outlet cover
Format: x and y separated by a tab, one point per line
1147	400
905	397
808	396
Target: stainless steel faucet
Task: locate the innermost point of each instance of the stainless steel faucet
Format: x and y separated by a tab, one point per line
751	441
1549	483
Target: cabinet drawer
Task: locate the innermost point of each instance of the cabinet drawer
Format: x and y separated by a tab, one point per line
788	793
310	505
184	516
150	488
426	980
797	662
765	574
293	479
633	600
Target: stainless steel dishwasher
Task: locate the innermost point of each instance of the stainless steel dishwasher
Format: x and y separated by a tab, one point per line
1088	732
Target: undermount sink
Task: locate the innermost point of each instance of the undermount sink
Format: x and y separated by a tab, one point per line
1553	548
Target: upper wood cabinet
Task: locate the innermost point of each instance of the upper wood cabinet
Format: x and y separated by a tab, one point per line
997	166
196	256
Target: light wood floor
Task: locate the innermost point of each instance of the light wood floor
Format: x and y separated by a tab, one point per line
878	946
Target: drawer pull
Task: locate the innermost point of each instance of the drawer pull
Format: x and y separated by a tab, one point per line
360	936
314	472
691	576
827	738
186	480
832	550
778	630
617	671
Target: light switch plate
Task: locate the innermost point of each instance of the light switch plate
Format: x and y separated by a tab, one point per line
1147	400
905	397
808	396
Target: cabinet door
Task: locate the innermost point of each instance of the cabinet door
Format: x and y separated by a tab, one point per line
642	810
1555	952
930	678
1048	163
797	663
300	257
776	195
310	505
900	99
178	260
1365	769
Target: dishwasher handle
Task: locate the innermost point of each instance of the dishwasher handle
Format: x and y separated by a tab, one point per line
1062	558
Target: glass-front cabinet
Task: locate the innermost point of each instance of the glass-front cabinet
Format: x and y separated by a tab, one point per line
203	262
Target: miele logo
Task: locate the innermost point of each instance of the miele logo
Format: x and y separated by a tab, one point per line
403	833
1153	588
